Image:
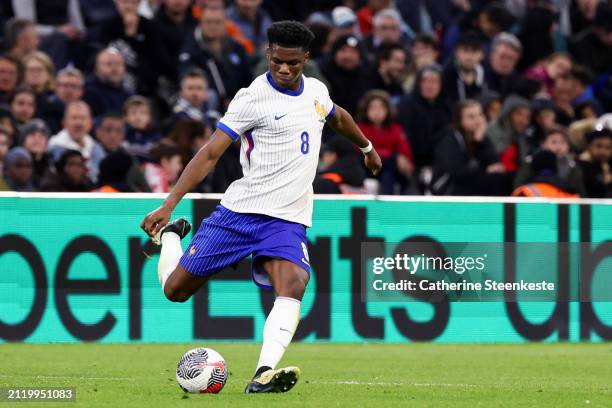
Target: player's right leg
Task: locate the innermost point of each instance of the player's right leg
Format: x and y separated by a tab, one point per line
177	283
223	239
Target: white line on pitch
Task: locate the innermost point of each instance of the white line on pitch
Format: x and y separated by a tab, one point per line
395	384
68	377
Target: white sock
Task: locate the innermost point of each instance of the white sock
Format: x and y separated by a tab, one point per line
169	257
278	330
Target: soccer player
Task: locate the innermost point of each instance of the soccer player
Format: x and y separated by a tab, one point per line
279	119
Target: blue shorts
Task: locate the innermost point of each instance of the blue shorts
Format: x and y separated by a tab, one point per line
226	237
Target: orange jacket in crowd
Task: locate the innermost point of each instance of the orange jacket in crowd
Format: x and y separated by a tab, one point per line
232	30
542	190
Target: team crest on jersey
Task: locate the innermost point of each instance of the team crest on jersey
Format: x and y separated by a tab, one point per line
192	250
320	109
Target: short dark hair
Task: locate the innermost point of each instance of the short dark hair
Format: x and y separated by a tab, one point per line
471	40
194	72
557	130
499	15
13	28
593	135
163	150
582	74
426	39
111	114
23	89
385	50
290	34
65	156
376	94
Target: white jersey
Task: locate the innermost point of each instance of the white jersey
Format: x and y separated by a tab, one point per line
280	132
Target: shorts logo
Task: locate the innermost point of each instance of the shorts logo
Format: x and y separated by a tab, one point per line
192	250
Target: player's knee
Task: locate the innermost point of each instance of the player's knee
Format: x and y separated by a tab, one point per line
297	286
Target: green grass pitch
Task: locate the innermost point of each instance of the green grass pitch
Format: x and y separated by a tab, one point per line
333	375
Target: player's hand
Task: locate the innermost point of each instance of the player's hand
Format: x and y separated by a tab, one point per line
156	220
373	162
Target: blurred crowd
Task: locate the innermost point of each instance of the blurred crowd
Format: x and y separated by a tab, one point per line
459	97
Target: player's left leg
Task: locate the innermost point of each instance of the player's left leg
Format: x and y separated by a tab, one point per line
289	282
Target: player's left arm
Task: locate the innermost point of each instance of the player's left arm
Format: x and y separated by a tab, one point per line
342	123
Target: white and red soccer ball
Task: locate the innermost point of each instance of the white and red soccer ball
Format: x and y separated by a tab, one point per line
201	370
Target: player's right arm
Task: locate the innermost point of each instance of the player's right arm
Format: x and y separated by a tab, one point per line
198	168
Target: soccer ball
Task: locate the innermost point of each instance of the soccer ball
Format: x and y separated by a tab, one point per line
201	370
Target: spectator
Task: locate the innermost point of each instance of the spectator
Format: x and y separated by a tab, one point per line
21	37
59	24
193	99
345	73
39	75
107	89
23	105
9	77
70	174
509	133
165	167
595	163
424	113
486	18
580	78
493	20
140	131
424	52
563	94
212	50
110	133
593	47
391	63
387	29
17	175
68	88
34	137
465	159
555	140
4	148
491	103
587	110
344	22
582	14
138	40
252	20
75	136
114	170
8	125
341	168
500	73
543	119
545	182
188	136
175	22
555	66
464	76
365	15
536	35
376	118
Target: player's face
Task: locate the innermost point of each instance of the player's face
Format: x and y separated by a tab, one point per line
286	65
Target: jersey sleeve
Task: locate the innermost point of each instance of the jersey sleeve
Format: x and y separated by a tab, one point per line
330	108
240	116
